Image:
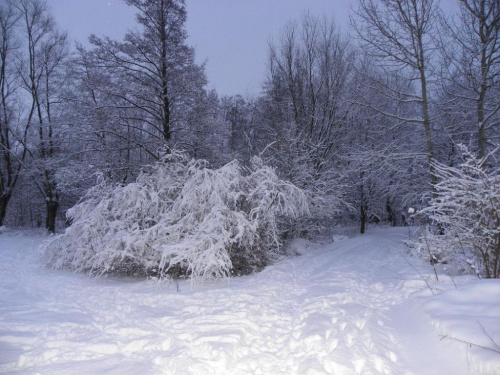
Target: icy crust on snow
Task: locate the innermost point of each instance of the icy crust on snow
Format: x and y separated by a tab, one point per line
341	309
469	317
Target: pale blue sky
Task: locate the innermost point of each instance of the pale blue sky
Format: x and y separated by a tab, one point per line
232	34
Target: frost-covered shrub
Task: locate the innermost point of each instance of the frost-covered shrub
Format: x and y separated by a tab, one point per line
467	210
181	218
445	253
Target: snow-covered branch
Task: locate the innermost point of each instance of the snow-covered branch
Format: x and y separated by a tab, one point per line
180	219
467	206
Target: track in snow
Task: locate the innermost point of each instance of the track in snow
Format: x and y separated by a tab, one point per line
338	309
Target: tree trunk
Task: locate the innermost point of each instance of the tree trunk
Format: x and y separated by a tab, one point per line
481	141
164	76
4	200
363	204
364	210
428	130
52	208
391	217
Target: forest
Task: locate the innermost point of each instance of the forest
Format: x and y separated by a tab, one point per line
397	123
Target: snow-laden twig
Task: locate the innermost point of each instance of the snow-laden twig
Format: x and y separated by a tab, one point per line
469	343
421	276
489	337
496	347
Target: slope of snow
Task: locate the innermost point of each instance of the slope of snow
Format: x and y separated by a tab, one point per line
469	317
341	308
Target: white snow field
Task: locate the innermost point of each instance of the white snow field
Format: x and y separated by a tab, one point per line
354	306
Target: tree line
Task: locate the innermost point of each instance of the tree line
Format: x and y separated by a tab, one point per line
359	120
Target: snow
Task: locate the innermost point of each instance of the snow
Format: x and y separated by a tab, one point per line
469	316
353	306
181	217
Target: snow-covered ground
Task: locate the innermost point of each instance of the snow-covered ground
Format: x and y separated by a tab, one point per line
355	306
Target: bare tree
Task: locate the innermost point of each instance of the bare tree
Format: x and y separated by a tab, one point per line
13	129
397	35
471	55
306	107
309	72
41	69
133	97
385	169
151	75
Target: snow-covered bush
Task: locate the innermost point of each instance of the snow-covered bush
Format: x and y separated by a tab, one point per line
181	218
467	210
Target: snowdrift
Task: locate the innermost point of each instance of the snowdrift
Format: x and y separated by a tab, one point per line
180	219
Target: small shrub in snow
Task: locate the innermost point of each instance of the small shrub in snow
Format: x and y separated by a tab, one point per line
467	207
181	218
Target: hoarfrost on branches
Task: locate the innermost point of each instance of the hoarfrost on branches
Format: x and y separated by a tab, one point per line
467	207
182	218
